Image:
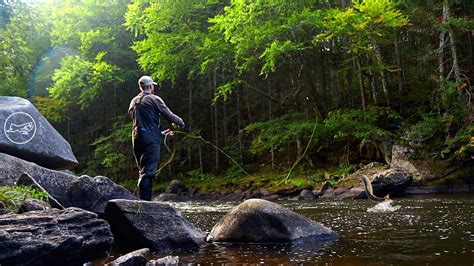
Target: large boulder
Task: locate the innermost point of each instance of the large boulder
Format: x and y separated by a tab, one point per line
54	182
93	193
262	221
391	182
155	225
26	134
53	237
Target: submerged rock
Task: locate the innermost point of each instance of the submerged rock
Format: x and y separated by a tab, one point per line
135	258
93	193
261	221
53	237
28	135
158	226
54	182
168	260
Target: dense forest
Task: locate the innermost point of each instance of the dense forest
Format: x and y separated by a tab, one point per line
298	89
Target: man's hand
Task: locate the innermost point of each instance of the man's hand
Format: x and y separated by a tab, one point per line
168	132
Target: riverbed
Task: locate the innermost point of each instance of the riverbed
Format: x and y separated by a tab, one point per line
415	230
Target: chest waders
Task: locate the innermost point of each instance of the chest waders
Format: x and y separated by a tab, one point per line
146	150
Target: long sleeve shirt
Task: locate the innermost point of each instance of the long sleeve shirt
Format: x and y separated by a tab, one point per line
145	110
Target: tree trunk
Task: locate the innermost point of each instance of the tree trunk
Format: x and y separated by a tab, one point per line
452	44
379	57
361	84
216	128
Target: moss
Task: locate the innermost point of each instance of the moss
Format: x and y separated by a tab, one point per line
11	198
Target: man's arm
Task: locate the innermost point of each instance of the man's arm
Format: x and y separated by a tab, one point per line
170	116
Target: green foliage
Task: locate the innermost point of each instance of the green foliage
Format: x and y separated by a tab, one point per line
282	133
82	79
355	124
462	143
11	198
114	152
427	128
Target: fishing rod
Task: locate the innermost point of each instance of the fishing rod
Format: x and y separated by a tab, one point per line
197	137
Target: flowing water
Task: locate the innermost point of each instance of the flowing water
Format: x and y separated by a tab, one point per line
421	230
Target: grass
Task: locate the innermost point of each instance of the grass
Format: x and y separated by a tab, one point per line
11	198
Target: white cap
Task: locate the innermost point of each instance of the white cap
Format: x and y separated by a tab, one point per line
145	81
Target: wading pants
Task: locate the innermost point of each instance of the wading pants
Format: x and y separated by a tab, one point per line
147	154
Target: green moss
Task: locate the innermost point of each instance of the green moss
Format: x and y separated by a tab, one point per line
11	198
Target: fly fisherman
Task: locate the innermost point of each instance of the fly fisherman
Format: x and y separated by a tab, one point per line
145	110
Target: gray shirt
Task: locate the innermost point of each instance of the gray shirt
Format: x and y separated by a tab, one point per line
145	110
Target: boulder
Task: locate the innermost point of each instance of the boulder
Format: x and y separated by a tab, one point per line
27	180
33	205
53	237
54	182
93	193
176	187
155	225
391	182
262	221
168	260
135	258
307	194
403	159
26	134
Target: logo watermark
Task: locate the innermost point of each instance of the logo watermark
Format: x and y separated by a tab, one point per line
9	2
20	128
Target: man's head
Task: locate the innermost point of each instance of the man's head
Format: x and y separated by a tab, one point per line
146	83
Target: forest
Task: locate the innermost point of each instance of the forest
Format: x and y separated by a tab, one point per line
283	92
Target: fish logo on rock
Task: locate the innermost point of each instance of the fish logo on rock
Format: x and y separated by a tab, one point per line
20	128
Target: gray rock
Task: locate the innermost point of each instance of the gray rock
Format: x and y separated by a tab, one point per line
93	193
26	134
402	159
33	205
135	258
168	260
233	196
158	226
54	182
170	197
176	187
53	237
307	194
27	180
391	182
261	221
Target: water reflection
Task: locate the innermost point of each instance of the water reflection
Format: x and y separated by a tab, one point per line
436	230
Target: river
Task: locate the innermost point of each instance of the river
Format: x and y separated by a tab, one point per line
416	230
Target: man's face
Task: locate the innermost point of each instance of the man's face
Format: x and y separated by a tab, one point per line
152	88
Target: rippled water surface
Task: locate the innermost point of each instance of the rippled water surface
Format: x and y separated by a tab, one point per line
433	230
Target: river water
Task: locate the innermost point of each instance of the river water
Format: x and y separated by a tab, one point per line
417	230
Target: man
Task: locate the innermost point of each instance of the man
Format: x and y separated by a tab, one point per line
145	110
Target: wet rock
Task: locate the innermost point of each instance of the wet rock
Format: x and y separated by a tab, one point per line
351	194
170	197
135	258
33	205
233	196
168	260
54	182
391	182
255	194
53	237
176	187
307	194
261	221
93	193
29	136
158	226
273	197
